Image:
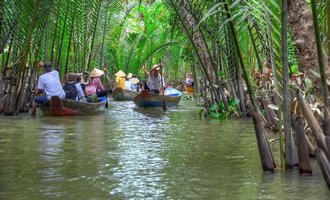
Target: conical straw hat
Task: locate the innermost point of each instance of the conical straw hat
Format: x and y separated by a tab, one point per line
129	75
134	80
120	73
96	72
156	67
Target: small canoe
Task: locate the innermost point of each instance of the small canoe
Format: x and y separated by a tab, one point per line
188	88
120	94
150	99
66	107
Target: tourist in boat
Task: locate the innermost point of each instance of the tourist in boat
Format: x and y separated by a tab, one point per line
82	78
128	84
135	81
72	88
189	80
155	81
120	79
95	86
48	83
132	83
143	85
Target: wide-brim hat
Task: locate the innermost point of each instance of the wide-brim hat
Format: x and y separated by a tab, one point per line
156	67
120	73
96	72
129	75
134	80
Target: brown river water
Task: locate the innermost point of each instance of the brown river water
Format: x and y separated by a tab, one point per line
132	153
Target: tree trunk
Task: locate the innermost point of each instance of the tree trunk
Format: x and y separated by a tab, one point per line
58	63
301	22
304	161
313	124
69	45
103	38
54	36
324	165
266	157
328	26
200	45
290	150
94	33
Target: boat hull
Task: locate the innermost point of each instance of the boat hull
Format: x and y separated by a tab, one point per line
189	89
149	99
120	94
66	107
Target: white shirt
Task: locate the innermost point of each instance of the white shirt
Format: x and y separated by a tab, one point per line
155	82
50	83
129	85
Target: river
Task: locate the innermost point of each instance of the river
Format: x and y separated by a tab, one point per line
132	153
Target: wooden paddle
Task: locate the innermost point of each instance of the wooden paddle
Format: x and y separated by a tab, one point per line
34	105
105	86
161	74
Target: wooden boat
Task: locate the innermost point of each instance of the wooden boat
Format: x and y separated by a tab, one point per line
188	88
66	107
120	94
150	99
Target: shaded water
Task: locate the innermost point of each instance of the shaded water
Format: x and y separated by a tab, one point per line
131	153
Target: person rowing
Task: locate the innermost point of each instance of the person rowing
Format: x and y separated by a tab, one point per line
48	83
155	81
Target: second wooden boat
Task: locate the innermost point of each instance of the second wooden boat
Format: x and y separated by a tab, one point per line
150	99
188	89
120	94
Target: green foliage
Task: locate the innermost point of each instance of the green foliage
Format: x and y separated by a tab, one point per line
221	74
294	69
218	111
144	40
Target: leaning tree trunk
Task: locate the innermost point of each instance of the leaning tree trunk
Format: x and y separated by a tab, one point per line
54	35
267	160
103	38
24	57
198	41
69	45
94	33
290	151
301	22
58	62
328	26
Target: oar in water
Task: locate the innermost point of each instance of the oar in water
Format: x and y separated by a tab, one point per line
161	74
34	106
105	86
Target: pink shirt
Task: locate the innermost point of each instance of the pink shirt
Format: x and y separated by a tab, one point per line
94	85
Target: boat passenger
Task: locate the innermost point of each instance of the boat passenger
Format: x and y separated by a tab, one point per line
155	81
48	83
80	80
189	80
135	82
144	86
95	86
128	84
120	79
73	88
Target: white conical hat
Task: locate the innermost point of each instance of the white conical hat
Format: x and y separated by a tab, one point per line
129	75
120	73
96	72
134	80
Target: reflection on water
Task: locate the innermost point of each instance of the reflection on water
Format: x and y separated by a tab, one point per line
134	153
